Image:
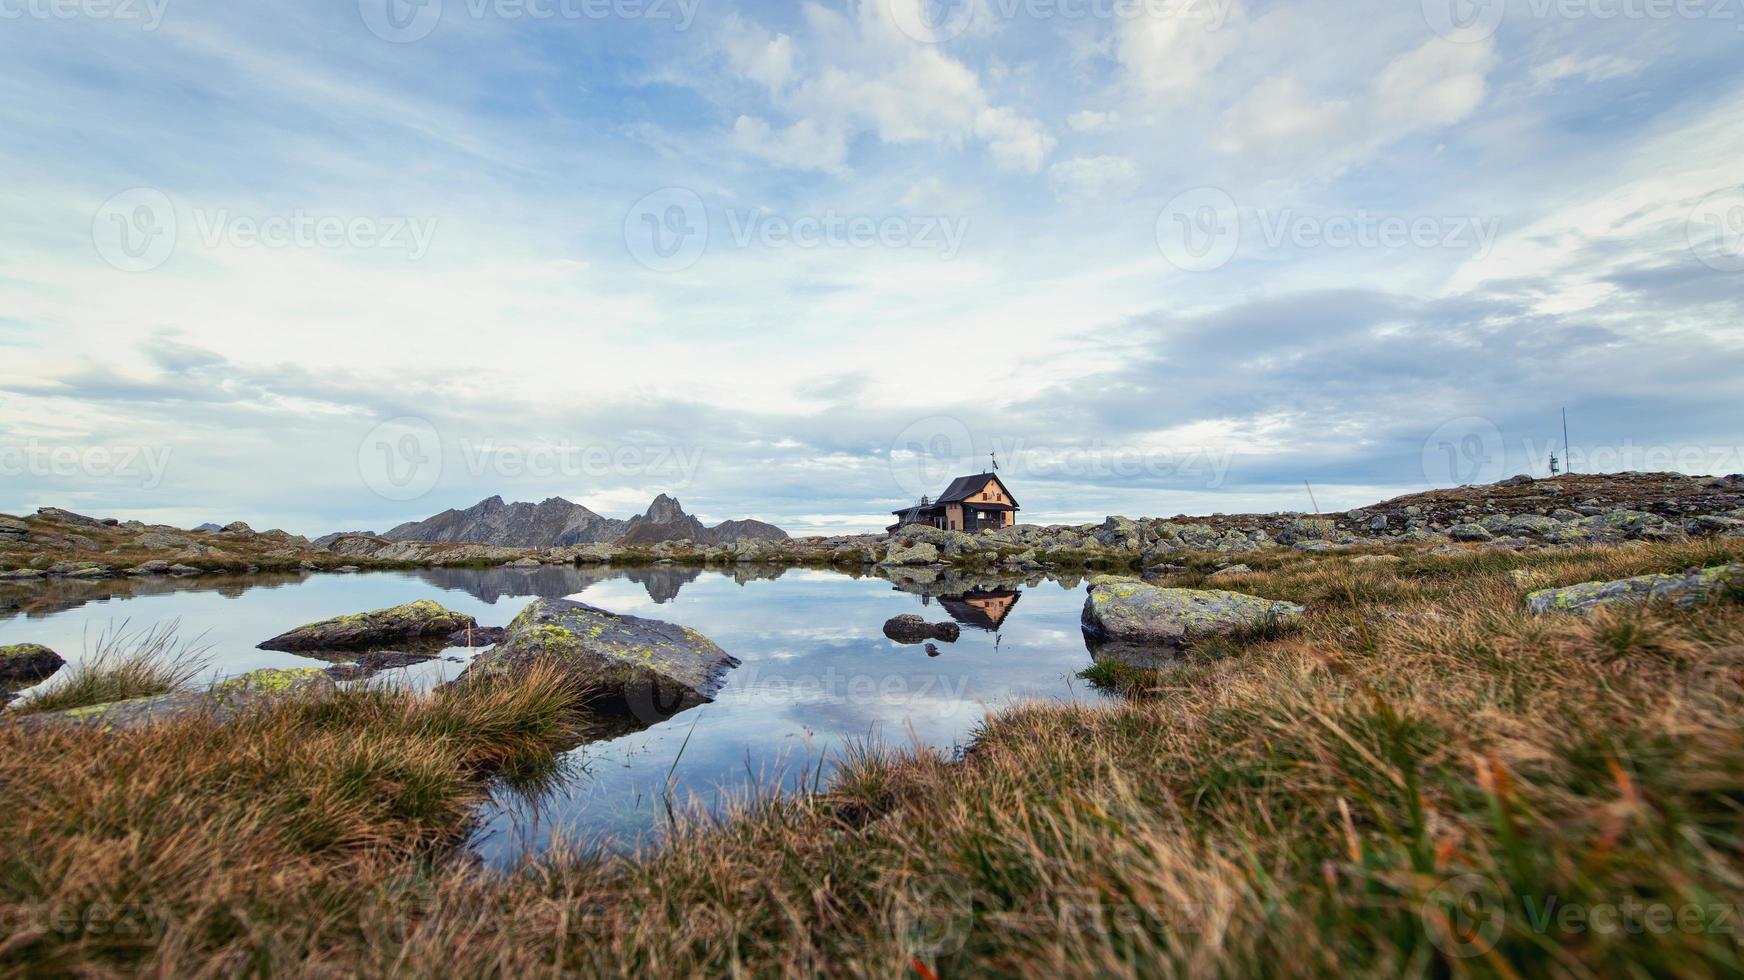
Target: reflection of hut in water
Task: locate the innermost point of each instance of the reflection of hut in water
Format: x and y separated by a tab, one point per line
983	610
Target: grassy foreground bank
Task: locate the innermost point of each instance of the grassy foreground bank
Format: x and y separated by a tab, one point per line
1420	779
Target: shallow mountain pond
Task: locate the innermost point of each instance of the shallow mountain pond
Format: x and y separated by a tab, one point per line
818	674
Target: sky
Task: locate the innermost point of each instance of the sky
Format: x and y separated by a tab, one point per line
336	264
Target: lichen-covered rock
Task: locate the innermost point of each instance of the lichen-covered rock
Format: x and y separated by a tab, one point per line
421	620
1130	610
915	553
28	662
1230	572
1469	532
162	541
1683	590
625	664
1529	526
222	701
910	628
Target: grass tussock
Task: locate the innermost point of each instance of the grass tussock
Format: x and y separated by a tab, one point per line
1439	785
122	665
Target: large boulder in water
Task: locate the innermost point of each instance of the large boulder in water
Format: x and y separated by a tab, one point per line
625	664
28	662
1129	610
422	620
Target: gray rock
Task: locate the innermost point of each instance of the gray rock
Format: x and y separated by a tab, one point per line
238	527
913	629
624	664
1130	610
1714	524
67	517
1516	481
918	553
1683	590
1469	532
21	575
221	702
482	636
1231	571
422	620
28	662
162	541
1529	526
12	528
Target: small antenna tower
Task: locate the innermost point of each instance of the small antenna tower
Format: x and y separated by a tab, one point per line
994	456
1566	459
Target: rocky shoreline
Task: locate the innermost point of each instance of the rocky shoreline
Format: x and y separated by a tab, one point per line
1519	513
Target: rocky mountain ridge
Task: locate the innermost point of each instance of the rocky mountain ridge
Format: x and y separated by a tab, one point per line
559	523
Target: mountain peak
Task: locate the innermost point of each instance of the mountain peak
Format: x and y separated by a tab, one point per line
665	510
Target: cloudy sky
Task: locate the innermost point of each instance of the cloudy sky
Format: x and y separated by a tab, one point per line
337	264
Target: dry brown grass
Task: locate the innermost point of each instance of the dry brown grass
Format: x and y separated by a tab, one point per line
1313	804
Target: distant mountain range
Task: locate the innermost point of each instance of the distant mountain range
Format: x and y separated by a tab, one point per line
556	522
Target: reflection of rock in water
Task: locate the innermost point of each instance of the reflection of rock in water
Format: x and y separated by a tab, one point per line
746	573
60	594
557	581
981	609
1145	656
955	582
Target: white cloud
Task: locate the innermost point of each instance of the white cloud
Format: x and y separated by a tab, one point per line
1438	84
844	77
804	145
1599	68
757	54
1092	121
1166	54
1082	180
1277	113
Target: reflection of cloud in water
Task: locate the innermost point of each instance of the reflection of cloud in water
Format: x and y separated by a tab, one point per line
818	674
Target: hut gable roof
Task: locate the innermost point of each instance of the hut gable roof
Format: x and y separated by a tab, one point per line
964	487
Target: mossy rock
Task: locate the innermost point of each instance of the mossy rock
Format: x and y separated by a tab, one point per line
414	621
628	665
1680	590
221	702
28	662
1130	610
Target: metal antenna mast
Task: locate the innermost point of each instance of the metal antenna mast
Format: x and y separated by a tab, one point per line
1567	456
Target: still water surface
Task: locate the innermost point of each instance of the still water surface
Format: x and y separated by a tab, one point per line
818	673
